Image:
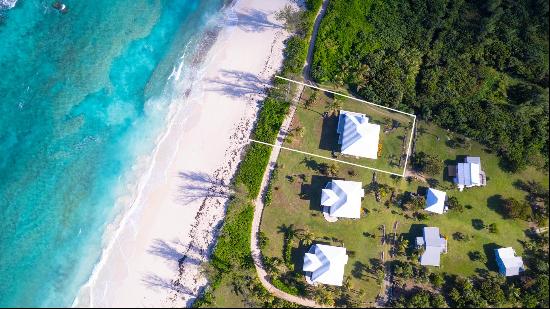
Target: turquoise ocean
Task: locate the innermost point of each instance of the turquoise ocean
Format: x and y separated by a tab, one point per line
82	96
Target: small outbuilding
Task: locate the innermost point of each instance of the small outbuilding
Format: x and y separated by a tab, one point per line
508	263
435	201
325	264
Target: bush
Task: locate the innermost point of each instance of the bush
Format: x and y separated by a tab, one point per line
517	210
252	168
428	164
233	246
295	55
284	287
454	204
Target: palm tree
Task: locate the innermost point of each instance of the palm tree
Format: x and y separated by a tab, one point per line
333	169
311	100
307	237
334	106
300	131
347	284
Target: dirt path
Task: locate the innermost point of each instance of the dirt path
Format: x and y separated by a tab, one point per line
259	203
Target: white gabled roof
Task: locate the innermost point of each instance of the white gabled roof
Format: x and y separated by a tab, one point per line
511	263
435	201
434	246
326	264
358	137
469	173
431	257
343	198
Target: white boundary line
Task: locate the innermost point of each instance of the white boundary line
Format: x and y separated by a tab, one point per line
347	96
346	162
323	157
409	147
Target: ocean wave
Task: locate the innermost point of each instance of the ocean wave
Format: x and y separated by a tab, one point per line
7	4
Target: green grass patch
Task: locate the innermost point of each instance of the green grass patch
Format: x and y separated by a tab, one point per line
313	130
297	202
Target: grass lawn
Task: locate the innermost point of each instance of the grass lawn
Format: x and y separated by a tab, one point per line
296	201
225	297
319	132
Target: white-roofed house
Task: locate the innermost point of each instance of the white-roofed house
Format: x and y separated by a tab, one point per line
508	263
325	264
435	201
469	174
433	245
357	136
342	199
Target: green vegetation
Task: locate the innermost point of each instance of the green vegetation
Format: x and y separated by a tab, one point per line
231	274
427	163
469	225
231	260
252	168
301	24
479	68
317	115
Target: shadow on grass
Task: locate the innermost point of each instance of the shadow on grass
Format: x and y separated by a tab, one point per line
312	192
416	230
358	270
446	165
329	136
495	203
489	250
478	224
422	191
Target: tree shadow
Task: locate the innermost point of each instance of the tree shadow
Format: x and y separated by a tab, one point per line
359	269
495	203
489	250
422	191
165	250
329	135
297	256
237	84
196	186
253	20
416	230
155	281
478	224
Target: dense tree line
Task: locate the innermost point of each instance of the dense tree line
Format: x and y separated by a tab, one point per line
477	67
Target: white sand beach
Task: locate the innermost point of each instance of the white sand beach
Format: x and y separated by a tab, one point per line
155	256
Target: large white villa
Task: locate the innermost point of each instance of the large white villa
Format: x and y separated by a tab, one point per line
325	264
468	174
342	199
433	245
435	201
508	263
357	136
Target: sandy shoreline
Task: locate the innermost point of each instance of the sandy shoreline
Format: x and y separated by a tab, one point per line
154	259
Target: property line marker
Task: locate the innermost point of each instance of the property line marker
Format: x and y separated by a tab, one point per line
323	157
347	96
409	147
408	152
